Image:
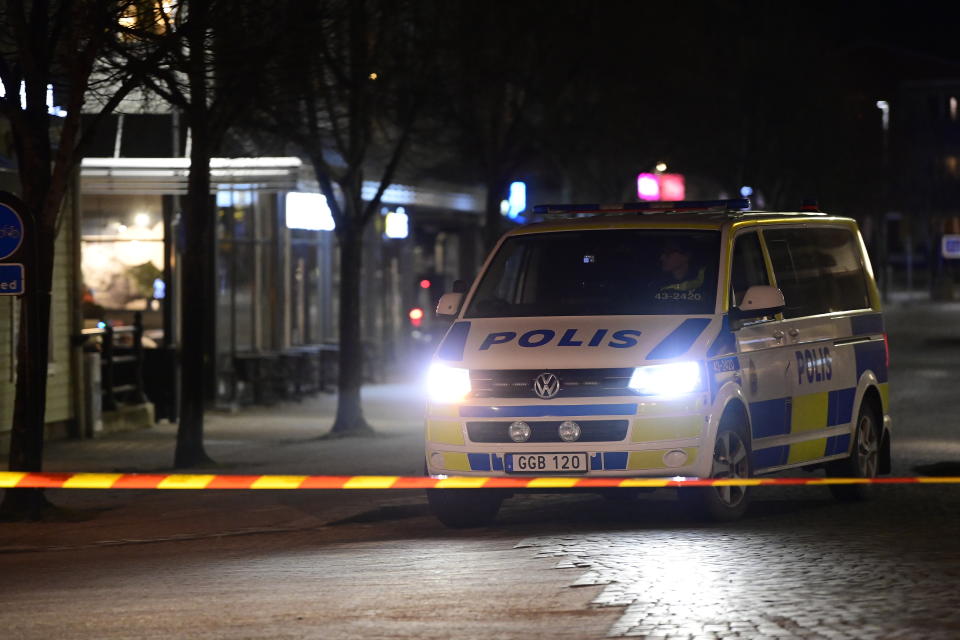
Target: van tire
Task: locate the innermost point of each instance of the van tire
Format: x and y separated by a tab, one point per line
731	459
864	458
464	508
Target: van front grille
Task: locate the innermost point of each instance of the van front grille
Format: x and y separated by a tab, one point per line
574	383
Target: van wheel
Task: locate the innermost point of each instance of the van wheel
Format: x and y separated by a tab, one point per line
864	459
464	508
731	459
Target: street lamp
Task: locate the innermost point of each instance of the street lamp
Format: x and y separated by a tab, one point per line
884	107
885	274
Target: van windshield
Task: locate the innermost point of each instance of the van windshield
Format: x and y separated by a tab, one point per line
603	272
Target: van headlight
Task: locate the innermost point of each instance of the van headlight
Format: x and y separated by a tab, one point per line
447	384
673	379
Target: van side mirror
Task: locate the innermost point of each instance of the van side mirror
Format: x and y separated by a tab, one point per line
449	304
758	301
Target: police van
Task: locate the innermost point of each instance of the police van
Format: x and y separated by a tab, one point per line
696	339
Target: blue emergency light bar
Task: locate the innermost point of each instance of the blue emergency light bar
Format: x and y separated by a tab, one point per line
734	204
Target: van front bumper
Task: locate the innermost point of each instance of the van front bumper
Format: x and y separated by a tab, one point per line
664	437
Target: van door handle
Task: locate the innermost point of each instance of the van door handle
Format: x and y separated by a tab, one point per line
778	335
794	333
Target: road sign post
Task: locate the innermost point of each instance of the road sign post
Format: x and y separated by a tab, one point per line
11	279
11	239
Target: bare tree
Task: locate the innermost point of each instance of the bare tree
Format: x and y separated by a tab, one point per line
206	79
346	94
44	43
507	87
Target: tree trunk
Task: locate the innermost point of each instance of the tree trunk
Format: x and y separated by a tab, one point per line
197	345
33	348
197	339
350	420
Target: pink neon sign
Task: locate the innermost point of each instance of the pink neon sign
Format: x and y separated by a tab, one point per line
662	186
648	187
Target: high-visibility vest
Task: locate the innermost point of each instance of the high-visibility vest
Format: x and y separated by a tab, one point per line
687	285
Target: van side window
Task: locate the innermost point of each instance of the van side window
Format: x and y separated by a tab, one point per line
748	267
818	270
842	270
796	263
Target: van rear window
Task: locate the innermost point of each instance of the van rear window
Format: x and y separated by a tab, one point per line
602	272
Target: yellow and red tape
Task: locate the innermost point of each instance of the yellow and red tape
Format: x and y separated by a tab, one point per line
20	479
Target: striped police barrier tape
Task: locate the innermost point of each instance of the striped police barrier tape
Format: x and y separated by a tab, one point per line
19	479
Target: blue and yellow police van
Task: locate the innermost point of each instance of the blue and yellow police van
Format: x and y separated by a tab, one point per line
695	339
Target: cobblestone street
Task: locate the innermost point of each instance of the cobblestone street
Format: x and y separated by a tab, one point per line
824	570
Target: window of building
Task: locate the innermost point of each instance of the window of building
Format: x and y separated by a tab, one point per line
952	166
309	286
245	267
153	17
122	255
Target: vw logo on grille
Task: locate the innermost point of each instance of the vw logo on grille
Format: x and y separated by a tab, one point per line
546	385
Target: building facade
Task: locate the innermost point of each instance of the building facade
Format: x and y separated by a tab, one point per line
275	295
64	401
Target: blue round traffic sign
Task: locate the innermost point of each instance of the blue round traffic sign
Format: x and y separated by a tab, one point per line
11	231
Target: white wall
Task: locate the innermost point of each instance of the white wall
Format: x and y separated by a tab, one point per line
60	402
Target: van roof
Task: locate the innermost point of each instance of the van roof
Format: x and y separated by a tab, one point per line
687	220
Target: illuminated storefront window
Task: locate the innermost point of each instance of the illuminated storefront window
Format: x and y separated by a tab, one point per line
122	254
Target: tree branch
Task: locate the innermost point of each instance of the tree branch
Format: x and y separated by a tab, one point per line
137	77
387	178
320	171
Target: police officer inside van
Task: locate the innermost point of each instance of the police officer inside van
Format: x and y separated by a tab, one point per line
681	279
